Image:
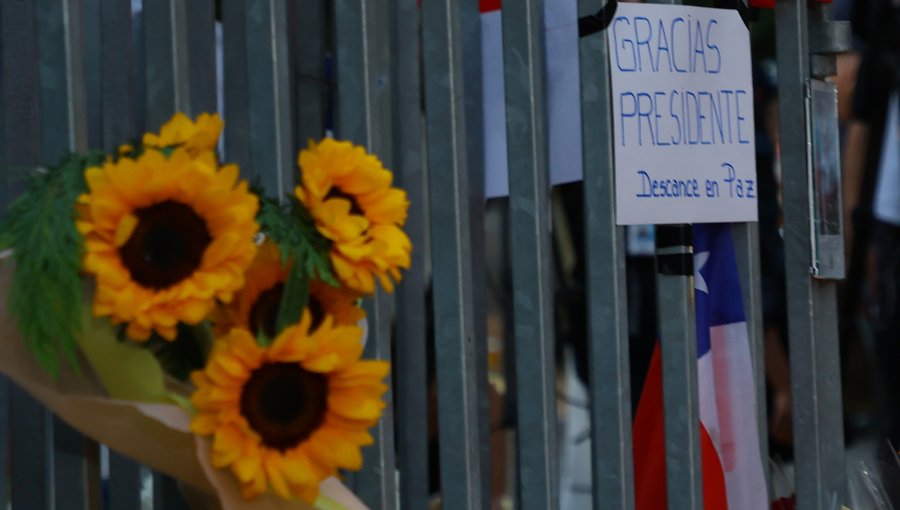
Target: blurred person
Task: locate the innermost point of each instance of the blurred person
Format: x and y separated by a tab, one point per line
872	193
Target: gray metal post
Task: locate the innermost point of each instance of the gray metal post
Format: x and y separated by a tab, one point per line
4	423
461	467
308	45
25	86
746	249
168	70
237	86
200	42
64	126
4	382
117	101
678	342
124	483
268	67
529	185
4	194
18	44
30	433
364	117
612	469
118	110
92	14
812	304
470	30
410	364
167	494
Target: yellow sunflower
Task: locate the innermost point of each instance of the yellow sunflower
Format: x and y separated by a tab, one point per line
165	238
349	195
255	307
196	137
289	415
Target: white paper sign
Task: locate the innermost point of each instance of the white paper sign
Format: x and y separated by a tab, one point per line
682	101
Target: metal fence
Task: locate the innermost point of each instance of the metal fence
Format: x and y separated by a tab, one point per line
405	80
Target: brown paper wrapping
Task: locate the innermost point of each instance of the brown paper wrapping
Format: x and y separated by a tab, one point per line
157	435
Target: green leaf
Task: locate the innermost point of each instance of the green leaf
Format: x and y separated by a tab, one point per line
127	370
45	295
291	227
293	299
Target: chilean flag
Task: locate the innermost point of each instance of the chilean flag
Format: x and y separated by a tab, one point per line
733	476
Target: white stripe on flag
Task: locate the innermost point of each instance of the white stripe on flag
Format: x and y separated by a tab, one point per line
733	415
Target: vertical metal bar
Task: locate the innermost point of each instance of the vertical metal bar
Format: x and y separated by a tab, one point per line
612	469
237	83
529	184
746	248
18	44
69	467
4	416
31	471
470	29
117	99
353	58
827	362
29	448
376	482
64	128
166	50
92	27
448	165
4	194
812	327
63	115
200	20
410	365
118	127
124	483
5	199
678	341
308	45
139	67
167	495
271	138
364	116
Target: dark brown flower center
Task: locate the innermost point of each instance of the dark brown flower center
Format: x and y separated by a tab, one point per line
166	246
264	312
335	192
316	310
284	403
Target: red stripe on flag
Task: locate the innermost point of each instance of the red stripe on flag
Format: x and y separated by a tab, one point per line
649	448
491	5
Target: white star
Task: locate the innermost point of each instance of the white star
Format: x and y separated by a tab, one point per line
700	260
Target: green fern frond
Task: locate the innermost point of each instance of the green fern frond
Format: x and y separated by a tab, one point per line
45	295
291	227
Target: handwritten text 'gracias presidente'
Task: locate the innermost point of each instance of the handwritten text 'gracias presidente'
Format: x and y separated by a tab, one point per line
677	117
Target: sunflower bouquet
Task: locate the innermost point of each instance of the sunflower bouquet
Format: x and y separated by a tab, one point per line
154	285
